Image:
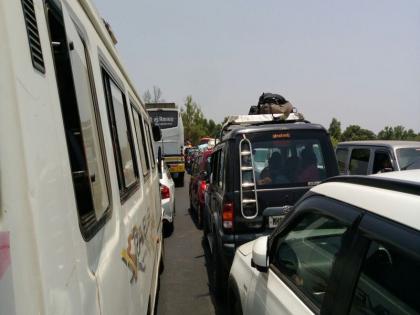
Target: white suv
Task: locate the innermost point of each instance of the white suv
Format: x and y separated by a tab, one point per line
350	246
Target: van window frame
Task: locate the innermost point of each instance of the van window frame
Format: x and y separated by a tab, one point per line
89	224
125	190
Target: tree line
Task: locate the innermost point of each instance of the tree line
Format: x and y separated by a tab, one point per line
355	132
196	126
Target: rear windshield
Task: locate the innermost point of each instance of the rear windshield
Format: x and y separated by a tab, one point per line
409	158
165	118
292	158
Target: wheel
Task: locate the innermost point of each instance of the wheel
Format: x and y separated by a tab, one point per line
180	180
219	282
162	256
168	228
206	227
199	214
235	307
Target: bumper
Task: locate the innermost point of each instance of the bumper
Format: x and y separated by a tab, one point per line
168	210
230	242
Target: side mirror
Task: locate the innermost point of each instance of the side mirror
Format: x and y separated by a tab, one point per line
157	133
259	254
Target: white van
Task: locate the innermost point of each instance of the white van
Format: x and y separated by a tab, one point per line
80	209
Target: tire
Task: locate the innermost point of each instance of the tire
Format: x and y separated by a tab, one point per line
162	256
234	304
219	281
180	180
199	214
168	229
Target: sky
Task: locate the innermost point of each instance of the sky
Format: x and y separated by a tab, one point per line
357	61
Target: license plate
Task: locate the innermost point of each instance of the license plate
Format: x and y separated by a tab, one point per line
274	221
177	169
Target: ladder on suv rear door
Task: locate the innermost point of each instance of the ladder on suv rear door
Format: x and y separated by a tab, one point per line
249	201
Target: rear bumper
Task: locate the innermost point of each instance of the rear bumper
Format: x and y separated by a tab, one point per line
230	242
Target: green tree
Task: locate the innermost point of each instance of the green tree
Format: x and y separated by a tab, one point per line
195	125
335	129
396	133
355	132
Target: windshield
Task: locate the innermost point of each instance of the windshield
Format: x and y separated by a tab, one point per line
285	159
165	118
409	158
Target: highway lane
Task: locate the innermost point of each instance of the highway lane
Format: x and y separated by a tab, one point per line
184	284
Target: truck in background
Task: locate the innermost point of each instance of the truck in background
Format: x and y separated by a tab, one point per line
171	147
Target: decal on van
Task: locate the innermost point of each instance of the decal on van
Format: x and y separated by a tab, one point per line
7	298
131	255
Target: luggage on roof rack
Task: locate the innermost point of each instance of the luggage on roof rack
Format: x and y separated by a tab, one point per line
270	103
258	119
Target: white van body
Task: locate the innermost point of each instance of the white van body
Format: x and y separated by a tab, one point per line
55	256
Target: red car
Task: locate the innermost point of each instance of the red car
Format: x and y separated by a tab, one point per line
198	184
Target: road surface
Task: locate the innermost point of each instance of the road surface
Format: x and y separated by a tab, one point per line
184	284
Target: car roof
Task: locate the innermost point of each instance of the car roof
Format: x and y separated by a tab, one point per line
392	144
394	195
236	130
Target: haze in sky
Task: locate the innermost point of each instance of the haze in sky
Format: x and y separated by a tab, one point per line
358	61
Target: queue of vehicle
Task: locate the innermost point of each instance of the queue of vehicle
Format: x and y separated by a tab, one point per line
280	242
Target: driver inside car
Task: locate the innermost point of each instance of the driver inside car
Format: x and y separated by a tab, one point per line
274	173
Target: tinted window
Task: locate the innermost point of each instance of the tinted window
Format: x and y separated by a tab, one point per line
125	161
292	158
342	159
381	162
409	158
89	114
141	141
149	139
388	283
165	118
306	254
359	161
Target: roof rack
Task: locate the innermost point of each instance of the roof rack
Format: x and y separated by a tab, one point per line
249	120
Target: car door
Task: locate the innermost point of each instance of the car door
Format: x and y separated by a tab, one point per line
304	254
388	281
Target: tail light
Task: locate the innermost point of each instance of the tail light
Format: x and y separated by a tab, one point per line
228	215
165	192
201	190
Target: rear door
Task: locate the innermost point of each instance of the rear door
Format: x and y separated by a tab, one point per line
286	164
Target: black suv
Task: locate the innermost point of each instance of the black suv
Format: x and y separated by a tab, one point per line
255	167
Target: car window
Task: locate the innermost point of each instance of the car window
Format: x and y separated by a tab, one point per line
306	254
381	162
359	161
342	154
409	158
289	159
388	283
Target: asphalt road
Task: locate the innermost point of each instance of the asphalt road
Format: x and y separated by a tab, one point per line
184	284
